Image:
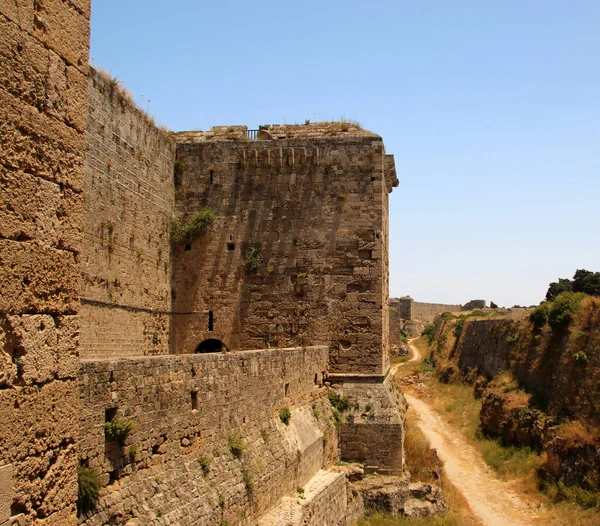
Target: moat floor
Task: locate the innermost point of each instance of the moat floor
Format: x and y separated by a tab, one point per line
490	499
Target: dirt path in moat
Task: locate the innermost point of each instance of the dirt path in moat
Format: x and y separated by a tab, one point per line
490	499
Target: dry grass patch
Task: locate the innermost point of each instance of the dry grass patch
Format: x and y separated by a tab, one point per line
421	460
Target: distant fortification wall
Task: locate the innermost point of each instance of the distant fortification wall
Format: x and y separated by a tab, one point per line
43	101
426	312
126	293
186	407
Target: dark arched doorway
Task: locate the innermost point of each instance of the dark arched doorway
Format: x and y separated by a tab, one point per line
211	345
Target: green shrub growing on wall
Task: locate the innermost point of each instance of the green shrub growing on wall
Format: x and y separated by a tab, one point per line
253	261
248	478
338	401
285	414
204	462
89	484
199	223
237	445
118	429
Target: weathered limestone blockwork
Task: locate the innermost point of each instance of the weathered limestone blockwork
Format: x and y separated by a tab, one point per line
312	209
126	296
43	101
326	500
373	434
234	393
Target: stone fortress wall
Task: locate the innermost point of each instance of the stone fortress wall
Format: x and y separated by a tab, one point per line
309	206
129	200
100	315
43	100
186	407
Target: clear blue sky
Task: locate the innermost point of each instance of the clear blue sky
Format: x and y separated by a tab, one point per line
491	108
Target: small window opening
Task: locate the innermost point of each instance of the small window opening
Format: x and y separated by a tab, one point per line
316	378
210	321
109	414
188	247
230	237
211	176
194	395
230	246
287	389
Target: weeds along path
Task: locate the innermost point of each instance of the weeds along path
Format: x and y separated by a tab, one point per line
490	499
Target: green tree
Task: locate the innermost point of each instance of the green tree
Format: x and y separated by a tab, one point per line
586	282
558	287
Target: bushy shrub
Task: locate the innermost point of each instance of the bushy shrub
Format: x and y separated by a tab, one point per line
248	478
403	336
338	401
89	484
204	462
429	333
563	308
118	429
198	223
253	261
458	327
285	414
539	316
237	445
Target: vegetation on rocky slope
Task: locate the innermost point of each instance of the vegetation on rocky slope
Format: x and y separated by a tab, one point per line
537	379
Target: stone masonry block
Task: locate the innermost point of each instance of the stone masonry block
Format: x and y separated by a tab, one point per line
35	339
64	29
33	208
82	5
37	279
37	144
23	64
39	417
19	11
6	492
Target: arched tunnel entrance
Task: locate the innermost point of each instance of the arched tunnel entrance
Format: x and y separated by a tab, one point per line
211	345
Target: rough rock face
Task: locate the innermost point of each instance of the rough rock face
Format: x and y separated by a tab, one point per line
398	496
516	425
572	464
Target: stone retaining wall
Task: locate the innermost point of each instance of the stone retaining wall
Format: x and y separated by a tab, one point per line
185	407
